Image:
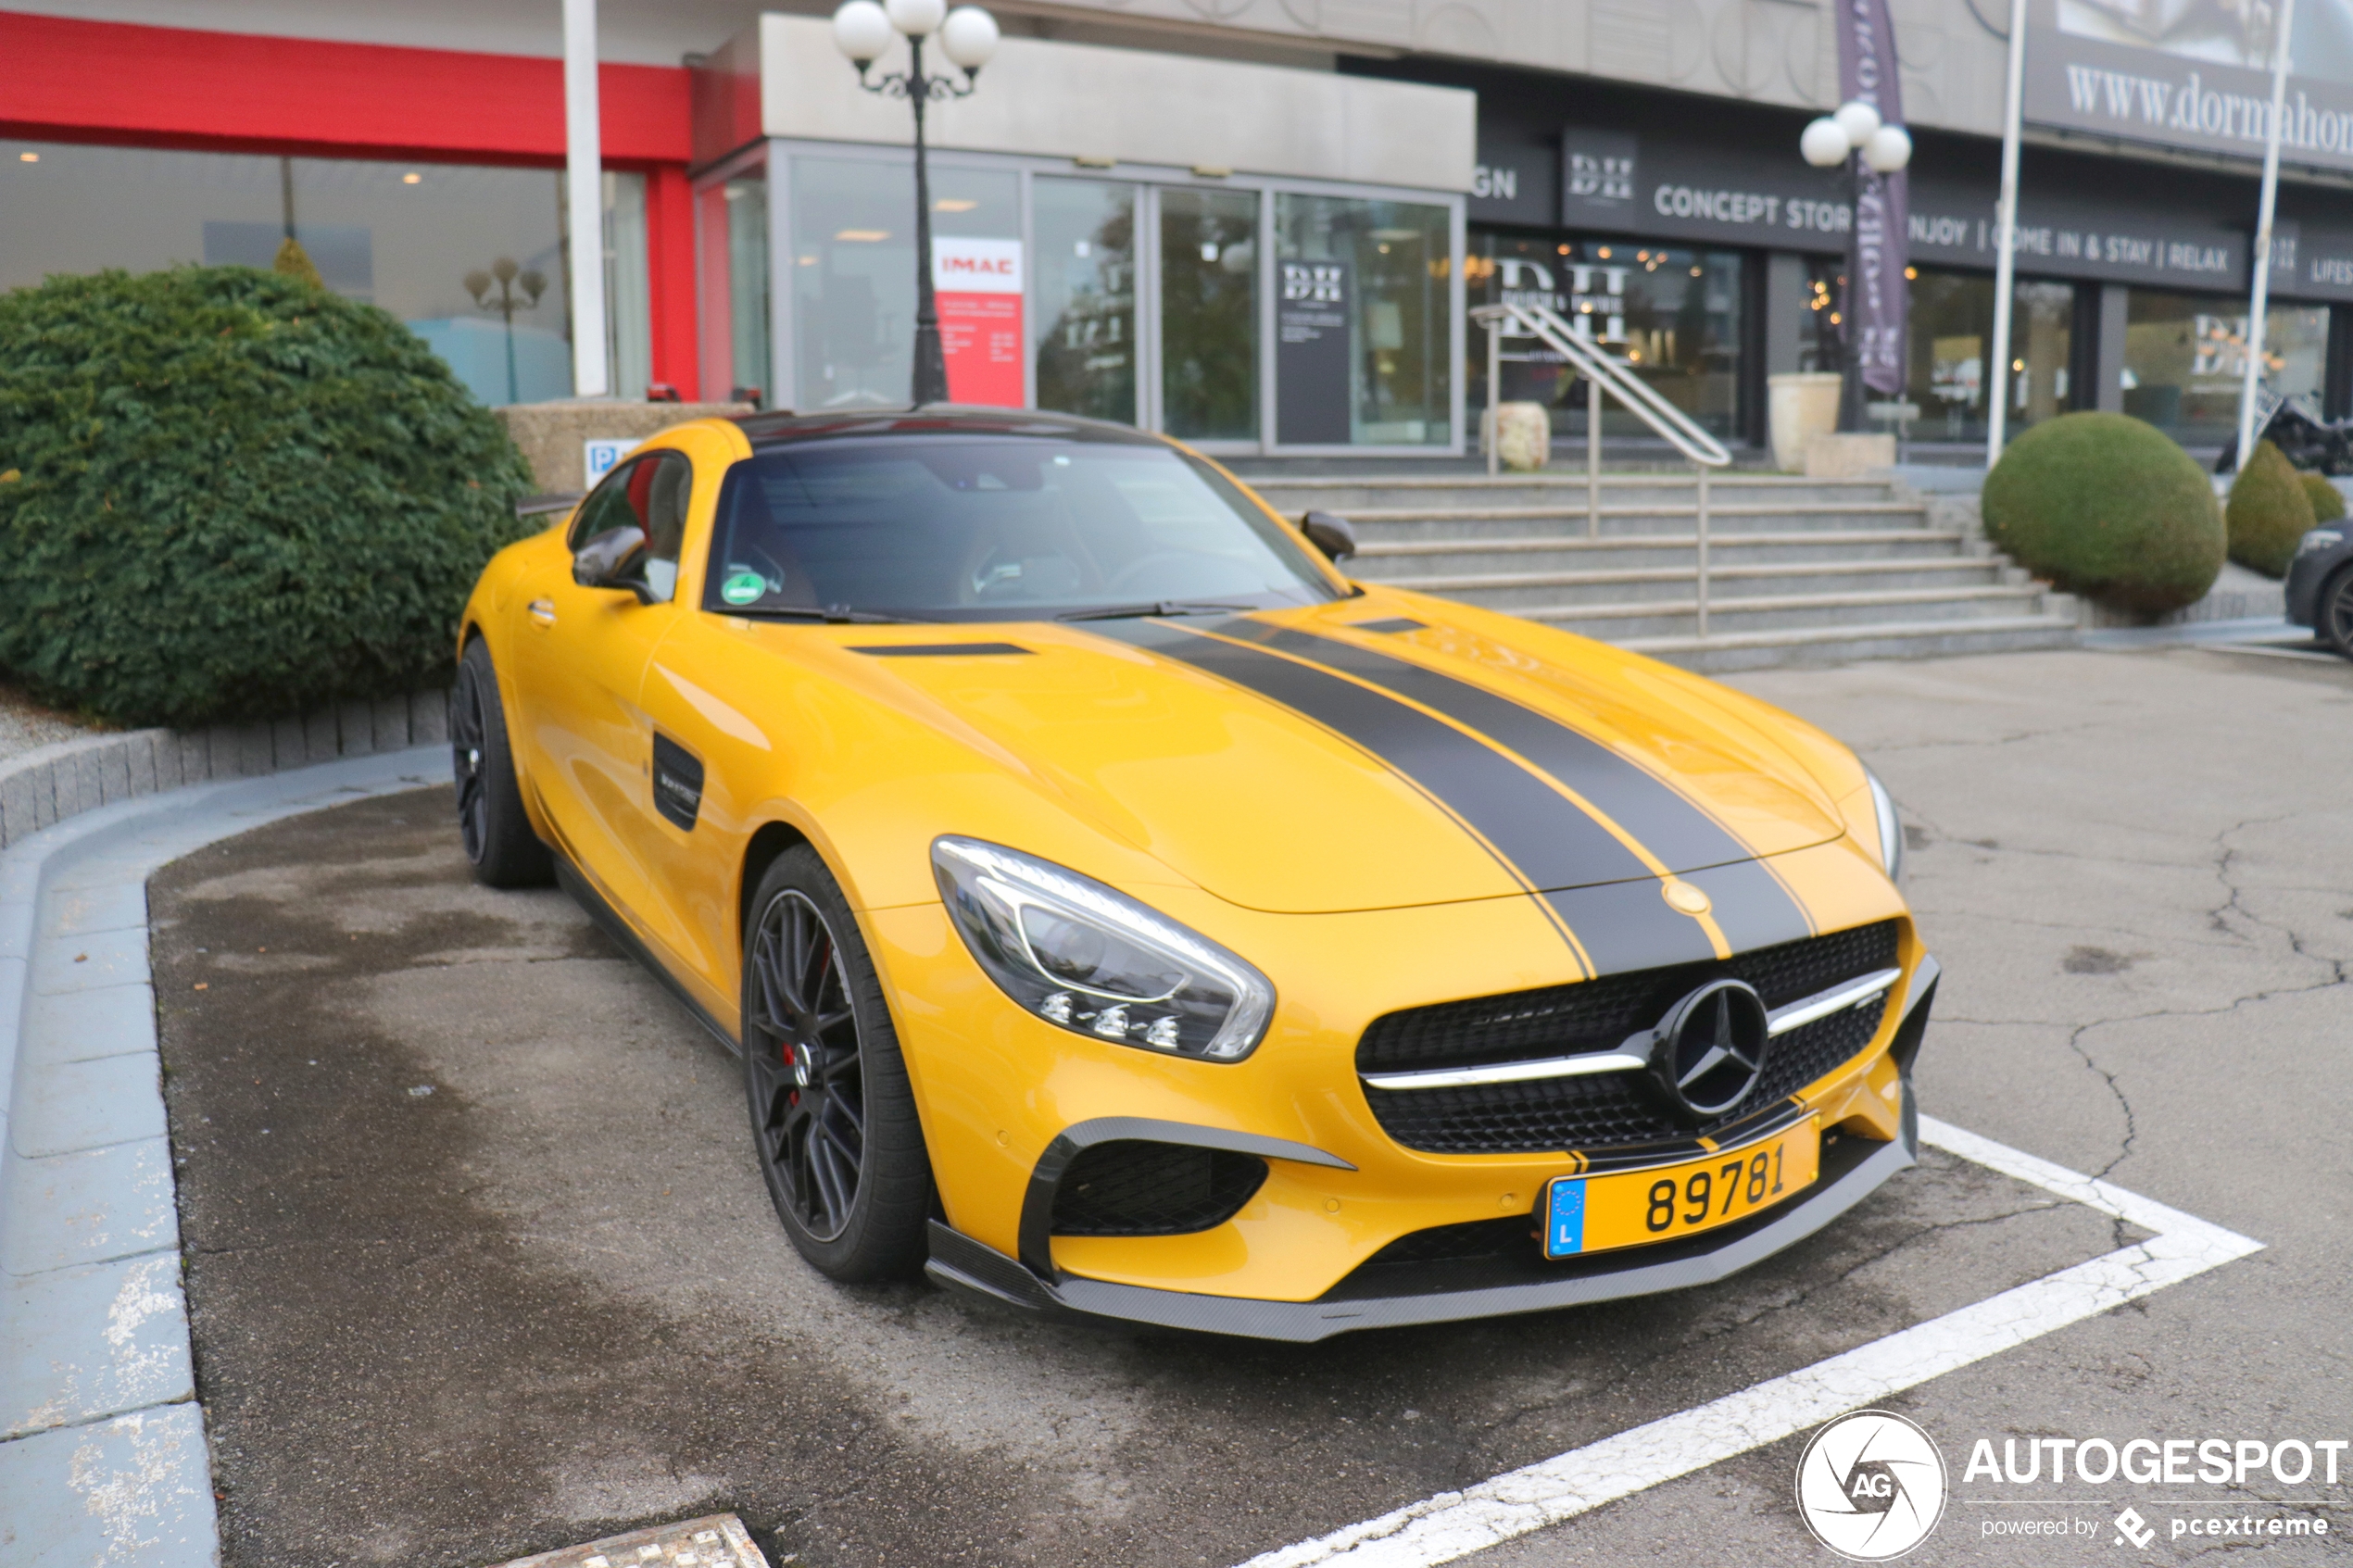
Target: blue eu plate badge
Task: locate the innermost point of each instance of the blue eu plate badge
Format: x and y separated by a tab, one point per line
1564	1217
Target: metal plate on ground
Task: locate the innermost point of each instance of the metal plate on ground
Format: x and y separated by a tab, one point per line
717	1540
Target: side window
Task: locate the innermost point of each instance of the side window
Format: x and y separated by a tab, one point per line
648	493
606	509
668	482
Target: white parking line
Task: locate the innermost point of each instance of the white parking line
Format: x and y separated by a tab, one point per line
1454	1524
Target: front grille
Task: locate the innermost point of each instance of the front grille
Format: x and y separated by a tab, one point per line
1607	1110
1134	1188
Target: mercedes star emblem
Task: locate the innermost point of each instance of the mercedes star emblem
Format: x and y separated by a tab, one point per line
1710	1050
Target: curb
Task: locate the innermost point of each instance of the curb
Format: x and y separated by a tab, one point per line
55	782
103	1457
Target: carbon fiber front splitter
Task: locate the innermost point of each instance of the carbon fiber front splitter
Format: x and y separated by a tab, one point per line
958	1261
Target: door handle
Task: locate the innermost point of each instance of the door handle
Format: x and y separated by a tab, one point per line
542	611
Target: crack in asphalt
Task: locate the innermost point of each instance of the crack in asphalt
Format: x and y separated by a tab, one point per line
2224	857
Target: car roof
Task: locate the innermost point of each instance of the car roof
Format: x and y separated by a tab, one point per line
783	427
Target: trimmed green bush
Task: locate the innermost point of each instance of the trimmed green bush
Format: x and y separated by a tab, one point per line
2108	507
2328	501
2269	513
235	497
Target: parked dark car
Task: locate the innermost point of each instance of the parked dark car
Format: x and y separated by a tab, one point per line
2320	585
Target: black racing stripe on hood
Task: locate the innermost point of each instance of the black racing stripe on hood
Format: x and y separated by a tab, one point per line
1755	909
1751	906
1543	838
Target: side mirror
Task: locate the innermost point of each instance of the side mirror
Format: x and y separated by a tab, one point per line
614	559
1329	534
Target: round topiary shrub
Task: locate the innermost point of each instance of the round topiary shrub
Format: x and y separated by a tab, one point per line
2328	501
2269	512
2108	507
229	494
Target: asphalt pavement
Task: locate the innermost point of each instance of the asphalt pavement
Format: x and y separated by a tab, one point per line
480	1265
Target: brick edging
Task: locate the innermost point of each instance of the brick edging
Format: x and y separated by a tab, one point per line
53	782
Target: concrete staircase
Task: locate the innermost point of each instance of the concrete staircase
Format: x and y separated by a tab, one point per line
1801	570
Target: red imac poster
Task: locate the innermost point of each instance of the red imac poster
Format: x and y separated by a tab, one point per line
979	283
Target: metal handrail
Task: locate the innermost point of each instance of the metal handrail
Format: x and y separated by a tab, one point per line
1603	373
1610	375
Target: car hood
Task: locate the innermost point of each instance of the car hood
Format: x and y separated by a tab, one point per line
1335	758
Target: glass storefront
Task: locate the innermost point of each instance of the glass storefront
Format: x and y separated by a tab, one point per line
1395	254
1209	314
1952	322
628	292
470	257
1675	314
2185	356
1142	300
1085	289
853	272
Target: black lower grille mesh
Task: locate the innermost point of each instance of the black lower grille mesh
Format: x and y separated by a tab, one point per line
1599	1014
1133	1187
1607	1110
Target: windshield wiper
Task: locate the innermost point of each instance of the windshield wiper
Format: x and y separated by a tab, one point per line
1159	607
835	615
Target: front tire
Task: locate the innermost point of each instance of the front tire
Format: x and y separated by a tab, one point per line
833	1118
2332	613
491	821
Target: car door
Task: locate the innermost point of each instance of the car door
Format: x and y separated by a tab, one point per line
581	656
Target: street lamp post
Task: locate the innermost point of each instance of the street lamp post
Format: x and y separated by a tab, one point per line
968	37
1851	138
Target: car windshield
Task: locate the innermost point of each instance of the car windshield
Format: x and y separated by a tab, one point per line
993	528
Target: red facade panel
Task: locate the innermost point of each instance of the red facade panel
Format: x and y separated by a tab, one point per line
69	80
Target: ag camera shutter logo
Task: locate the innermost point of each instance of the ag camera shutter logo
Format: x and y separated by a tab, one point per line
1870	1485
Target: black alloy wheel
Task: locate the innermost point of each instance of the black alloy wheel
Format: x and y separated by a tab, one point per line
2333	621
491	821
809	1088
833	1119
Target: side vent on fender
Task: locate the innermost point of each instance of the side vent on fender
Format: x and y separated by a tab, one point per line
678	783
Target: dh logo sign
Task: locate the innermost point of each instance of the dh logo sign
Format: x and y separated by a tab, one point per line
1315	283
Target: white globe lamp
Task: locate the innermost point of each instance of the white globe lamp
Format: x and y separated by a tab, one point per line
862	32
1889	149
1858	120
1823	143
969	37
917	19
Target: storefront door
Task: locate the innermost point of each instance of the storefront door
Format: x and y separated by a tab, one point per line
1208	256
1085	290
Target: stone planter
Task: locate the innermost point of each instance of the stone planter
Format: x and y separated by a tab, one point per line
1527	435
554	437
1799	405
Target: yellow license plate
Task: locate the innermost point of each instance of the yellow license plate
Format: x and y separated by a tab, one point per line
1631	1208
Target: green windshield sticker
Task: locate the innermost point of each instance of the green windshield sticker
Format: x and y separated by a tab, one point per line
742	587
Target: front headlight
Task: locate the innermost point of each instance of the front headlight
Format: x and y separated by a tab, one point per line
1095	962
2320	539
1890	829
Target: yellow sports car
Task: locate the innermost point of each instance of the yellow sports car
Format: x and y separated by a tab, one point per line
1119	911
